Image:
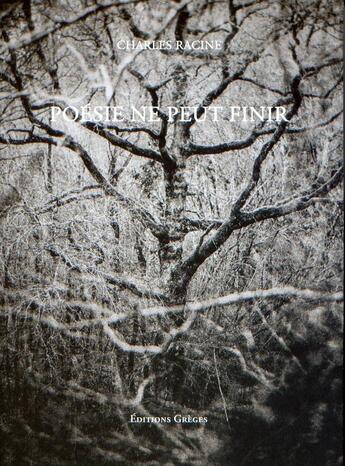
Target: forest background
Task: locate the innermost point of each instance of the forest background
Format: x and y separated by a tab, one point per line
171	267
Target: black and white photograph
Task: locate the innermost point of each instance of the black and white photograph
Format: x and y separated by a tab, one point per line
171	232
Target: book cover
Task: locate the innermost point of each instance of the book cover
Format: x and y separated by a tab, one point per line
171	232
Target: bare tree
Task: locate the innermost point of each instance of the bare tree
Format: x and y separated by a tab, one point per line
180	265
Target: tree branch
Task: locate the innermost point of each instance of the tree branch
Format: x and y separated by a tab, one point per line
121	282
245	296
59	24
